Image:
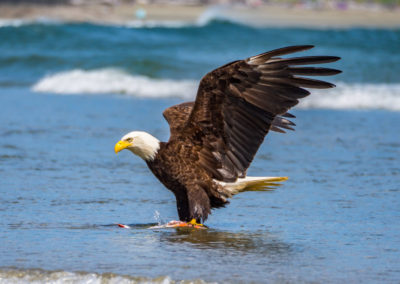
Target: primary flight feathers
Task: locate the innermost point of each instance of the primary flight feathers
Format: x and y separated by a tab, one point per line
215	138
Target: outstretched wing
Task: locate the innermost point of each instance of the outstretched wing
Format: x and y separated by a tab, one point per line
237	103
177	116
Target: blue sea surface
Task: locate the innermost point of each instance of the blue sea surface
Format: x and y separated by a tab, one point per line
69	92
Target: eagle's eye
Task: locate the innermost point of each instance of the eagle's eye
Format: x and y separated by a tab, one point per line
129	140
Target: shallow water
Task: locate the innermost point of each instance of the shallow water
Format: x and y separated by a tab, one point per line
63	190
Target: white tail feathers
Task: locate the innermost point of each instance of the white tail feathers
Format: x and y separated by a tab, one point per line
251	184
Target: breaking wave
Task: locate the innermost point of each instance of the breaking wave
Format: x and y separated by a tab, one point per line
217	13
42	276
356	96
114	81
212	14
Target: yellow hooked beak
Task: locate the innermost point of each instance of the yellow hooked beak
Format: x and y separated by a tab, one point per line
121	145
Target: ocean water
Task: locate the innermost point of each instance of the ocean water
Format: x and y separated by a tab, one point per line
68	92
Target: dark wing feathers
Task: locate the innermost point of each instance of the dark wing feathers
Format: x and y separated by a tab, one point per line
176	116
304	60
280	122
263	57
238	103
313	71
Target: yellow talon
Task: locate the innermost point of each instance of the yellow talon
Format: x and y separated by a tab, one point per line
191	224
194	223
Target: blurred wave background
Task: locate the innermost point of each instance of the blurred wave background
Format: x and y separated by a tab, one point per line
76	75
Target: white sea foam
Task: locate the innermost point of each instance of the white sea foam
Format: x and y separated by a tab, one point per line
157	24
114	81
356	96
12	22
23	22
54	277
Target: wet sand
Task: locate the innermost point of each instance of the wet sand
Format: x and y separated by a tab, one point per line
267	15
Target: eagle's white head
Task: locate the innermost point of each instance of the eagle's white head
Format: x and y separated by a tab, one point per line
140	143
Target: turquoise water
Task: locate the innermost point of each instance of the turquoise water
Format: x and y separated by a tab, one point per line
68	92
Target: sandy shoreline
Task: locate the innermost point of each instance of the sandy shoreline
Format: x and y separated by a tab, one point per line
266	15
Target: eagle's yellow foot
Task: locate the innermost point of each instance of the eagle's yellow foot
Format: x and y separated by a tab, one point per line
195	224
191	224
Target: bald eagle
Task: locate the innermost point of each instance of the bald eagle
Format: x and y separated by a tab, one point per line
214	139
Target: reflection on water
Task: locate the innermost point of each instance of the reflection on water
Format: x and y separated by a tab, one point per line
187	253
253	243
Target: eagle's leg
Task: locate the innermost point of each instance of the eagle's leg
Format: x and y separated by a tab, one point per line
193	206
199	204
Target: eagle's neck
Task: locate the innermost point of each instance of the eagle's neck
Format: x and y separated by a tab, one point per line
146	147
148	153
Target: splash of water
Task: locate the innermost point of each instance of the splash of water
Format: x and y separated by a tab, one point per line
157	217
